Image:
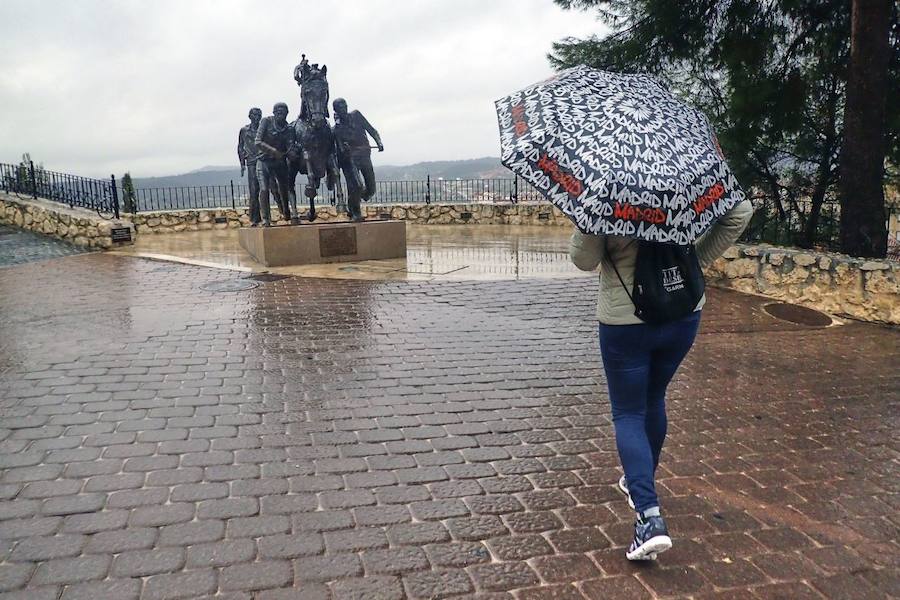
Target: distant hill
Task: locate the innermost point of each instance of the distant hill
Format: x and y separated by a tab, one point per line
198	178
213	168
476	168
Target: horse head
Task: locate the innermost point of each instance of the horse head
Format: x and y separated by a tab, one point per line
314	101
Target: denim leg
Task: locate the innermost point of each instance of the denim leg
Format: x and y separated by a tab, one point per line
672	343
626	362
656	425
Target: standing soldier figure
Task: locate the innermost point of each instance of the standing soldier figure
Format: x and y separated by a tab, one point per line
273	139
248	154
355	154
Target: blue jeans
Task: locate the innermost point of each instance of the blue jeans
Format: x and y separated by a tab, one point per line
640	361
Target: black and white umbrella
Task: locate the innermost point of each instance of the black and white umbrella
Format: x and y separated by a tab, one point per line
618	154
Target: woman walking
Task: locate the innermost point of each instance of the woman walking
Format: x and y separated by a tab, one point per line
639	359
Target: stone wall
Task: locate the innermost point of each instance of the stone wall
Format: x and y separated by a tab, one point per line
77	226
862	289
173	221
482	214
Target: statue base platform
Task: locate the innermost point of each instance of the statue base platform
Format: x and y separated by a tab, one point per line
315	243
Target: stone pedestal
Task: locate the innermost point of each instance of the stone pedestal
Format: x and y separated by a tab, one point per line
312	243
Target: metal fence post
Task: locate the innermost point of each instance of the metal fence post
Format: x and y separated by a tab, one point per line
515	196
428	190
115	196
231	181
33	179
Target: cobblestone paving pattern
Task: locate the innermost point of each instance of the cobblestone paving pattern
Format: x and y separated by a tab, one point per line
346	439
18	246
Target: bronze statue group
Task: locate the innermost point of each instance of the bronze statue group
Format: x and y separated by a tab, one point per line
273	151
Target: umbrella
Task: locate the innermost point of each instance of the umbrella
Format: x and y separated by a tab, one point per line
619	154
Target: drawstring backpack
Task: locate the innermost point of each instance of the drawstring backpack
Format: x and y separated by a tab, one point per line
668	281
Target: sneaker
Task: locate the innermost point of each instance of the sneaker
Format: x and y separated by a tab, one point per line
650	538
623	487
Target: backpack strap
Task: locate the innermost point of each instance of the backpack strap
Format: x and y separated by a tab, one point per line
613	263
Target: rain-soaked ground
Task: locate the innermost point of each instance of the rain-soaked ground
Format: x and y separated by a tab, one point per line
342	438
18	246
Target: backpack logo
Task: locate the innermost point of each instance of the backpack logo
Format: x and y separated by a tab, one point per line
672	279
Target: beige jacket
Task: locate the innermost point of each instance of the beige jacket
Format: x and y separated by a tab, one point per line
614	307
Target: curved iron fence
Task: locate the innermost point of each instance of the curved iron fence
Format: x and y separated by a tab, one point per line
95	194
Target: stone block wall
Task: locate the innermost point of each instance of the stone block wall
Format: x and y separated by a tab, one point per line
175	221
862	289
77	226
482	214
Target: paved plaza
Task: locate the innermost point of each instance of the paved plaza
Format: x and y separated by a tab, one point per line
342	438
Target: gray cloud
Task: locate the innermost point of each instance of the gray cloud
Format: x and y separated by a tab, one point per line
97	87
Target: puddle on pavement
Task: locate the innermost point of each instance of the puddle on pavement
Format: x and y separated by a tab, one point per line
799	315
434	252
229	285
267	277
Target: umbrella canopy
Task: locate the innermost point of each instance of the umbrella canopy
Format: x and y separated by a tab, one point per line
618	154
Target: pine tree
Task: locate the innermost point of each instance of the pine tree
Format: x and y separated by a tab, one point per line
128	195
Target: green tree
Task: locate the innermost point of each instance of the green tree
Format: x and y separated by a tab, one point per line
128	195
25	182
23	175
770	74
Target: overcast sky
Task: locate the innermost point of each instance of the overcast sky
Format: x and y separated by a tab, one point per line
161	87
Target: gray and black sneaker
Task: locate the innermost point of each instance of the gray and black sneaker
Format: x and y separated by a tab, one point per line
650	538
623	487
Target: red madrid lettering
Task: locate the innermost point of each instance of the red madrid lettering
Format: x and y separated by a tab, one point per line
518	115
567	181
709	198
627	212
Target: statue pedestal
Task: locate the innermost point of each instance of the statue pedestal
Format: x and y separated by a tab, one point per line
314	243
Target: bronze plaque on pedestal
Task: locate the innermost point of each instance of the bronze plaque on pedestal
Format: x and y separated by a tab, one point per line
311	244
337	241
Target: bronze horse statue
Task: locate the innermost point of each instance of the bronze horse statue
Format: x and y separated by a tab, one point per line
314	153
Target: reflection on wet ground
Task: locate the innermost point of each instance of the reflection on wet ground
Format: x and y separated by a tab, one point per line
434	252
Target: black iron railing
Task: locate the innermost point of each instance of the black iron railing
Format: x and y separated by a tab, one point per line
426	191
25	179
186	198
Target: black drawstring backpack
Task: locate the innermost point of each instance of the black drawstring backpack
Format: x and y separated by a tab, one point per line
668	282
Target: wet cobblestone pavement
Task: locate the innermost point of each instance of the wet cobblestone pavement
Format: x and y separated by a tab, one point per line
313	438
18	246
